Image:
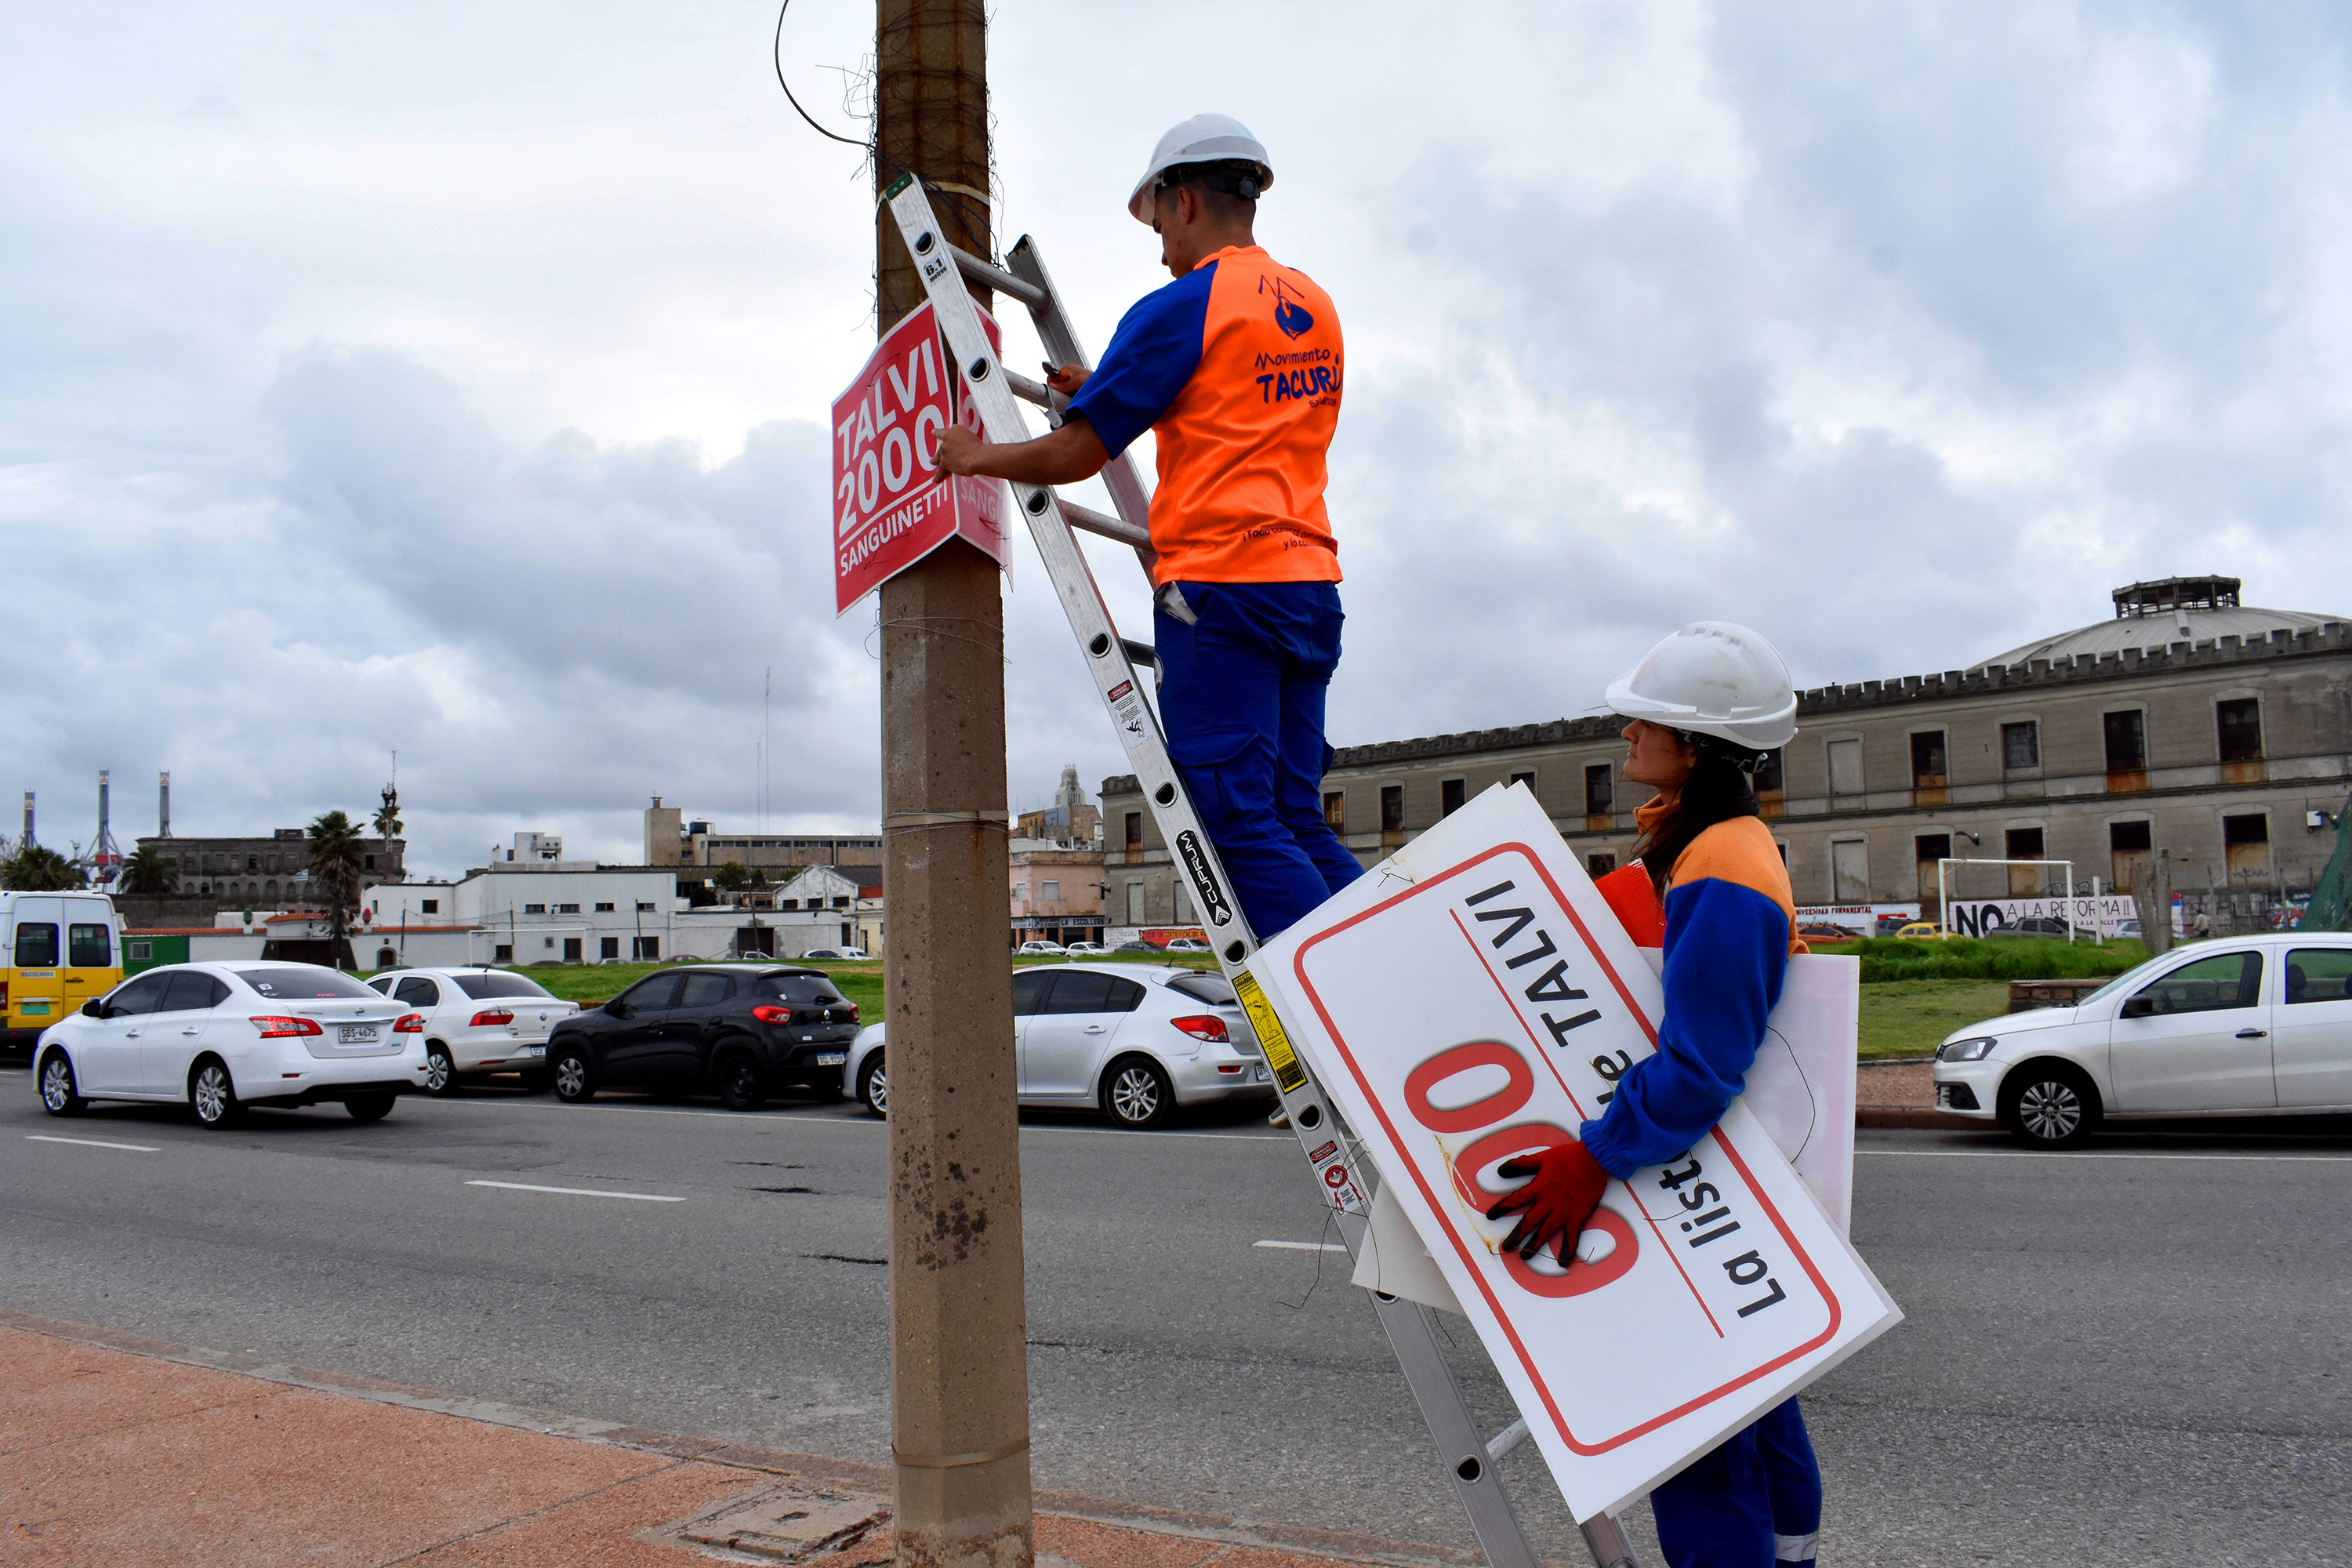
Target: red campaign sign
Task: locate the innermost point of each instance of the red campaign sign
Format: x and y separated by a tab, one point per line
891	506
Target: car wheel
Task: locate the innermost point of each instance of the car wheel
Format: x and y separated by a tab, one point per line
1137	1094
440	1071
574	1083
874	1087
57	1086
2049	1105
212	1095
740	1086
369	1107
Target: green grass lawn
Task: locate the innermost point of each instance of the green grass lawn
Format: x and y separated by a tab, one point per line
1900	1017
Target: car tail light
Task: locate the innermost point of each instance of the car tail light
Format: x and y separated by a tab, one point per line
413	1024
1202	1027
4	996
279	1027
769	1013
491	1018
853	1011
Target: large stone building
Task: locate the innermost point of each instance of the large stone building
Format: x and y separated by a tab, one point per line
672	840
271	873
2188	722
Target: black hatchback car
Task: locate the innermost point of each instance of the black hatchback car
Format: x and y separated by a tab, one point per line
744	1030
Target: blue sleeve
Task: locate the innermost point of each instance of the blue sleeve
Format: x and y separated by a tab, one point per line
1150	357
1726	954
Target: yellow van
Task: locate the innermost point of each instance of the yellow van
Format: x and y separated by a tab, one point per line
57	951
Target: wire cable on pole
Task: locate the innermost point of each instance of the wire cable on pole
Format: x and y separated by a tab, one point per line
777	55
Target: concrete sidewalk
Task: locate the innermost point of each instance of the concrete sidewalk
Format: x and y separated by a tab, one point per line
128	1451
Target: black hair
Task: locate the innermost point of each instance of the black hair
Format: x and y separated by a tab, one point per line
1721	787
1235	181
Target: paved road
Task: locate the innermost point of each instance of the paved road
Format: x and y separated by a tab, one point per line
2135	1356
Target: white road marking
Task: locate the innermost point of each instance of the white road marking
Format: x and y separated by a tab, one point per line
94	1143
1302	1245
876	1122
2097	1154
578	1192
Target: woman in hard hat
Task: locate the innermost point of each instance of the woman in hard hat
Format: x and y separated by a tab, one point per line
1704	708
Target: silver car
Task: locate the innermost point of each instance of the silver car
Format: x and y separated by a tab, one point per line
2254	1025
1134	1040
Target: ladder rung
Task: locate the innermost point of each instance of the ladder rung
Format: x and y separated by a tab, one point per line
1141	653
1029	391
996	278
1109	527
1504	1441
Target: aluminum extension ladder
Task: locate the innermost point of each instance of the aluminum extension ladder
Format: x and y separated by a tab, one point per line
1470	1458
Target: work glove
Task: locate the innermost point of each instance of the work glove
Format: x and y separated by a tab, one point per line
1565	1187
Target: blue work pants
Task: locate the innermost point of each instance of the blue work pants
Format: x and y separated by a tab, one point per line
1241	695
1755	1501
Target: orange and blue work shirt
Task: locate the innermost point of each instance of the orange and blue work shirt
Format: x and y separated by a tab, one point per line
1730	926
1236	368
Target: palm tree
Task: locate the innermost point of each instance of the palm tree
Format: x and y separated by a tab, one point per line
337	857
143	875
37	868
387	817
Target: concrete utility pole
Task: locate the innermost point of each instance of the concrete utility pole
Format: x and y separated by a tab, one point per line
958	1357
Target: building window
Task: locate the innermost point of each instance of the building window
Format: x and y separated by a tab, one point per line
649	947
1927	770
1845	767
1050	890
1926	850
604	909
253	862
608	947
2024	844
1599	789
2126	742
1599	866
1135	903
1392	808
2021	746
429	906
1134	828
572	949
2237	830
534	909
1767	773
841	903
371	862
1450	793
1335	810
567	908
1849	865
796	903
1019	892
2240	722
645	909
502	953
2129	838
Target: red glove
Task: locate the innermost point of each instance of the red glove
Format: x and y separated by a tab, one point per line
1553	1207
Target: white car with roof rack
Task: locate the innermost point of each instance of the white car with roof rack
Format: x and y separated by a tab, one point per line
1134	1040
479	1020
226	1036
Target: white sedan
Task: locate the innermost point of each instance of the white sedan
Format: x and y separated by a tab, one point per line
2258	1025
477	1021
223	1038
1133	1040
1052	947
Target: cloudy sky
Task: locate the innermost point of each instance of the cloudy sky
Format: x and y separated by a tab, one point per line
452	378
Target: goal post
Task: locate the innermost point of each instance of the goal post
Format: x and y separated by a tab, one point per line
2064	898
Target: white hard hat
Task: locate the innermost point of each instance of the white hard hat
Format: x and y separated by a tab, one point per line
1713	678
1203	139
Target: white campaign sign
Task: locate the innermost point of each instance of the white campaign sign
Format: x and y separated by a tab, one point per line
1474	998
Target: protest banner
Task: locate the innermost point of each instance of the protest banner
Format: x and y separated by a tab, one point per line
2103	916
891	505
1474	998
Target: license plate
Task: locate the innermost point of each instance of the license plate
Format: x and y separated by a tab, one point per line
355	1034
534	1050
831	1059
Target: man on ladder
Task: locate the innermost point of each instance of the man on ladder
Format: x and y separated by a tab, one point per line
1235	368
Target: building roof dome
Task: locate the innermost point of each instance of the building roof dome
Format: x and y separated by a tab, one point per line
2158	614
